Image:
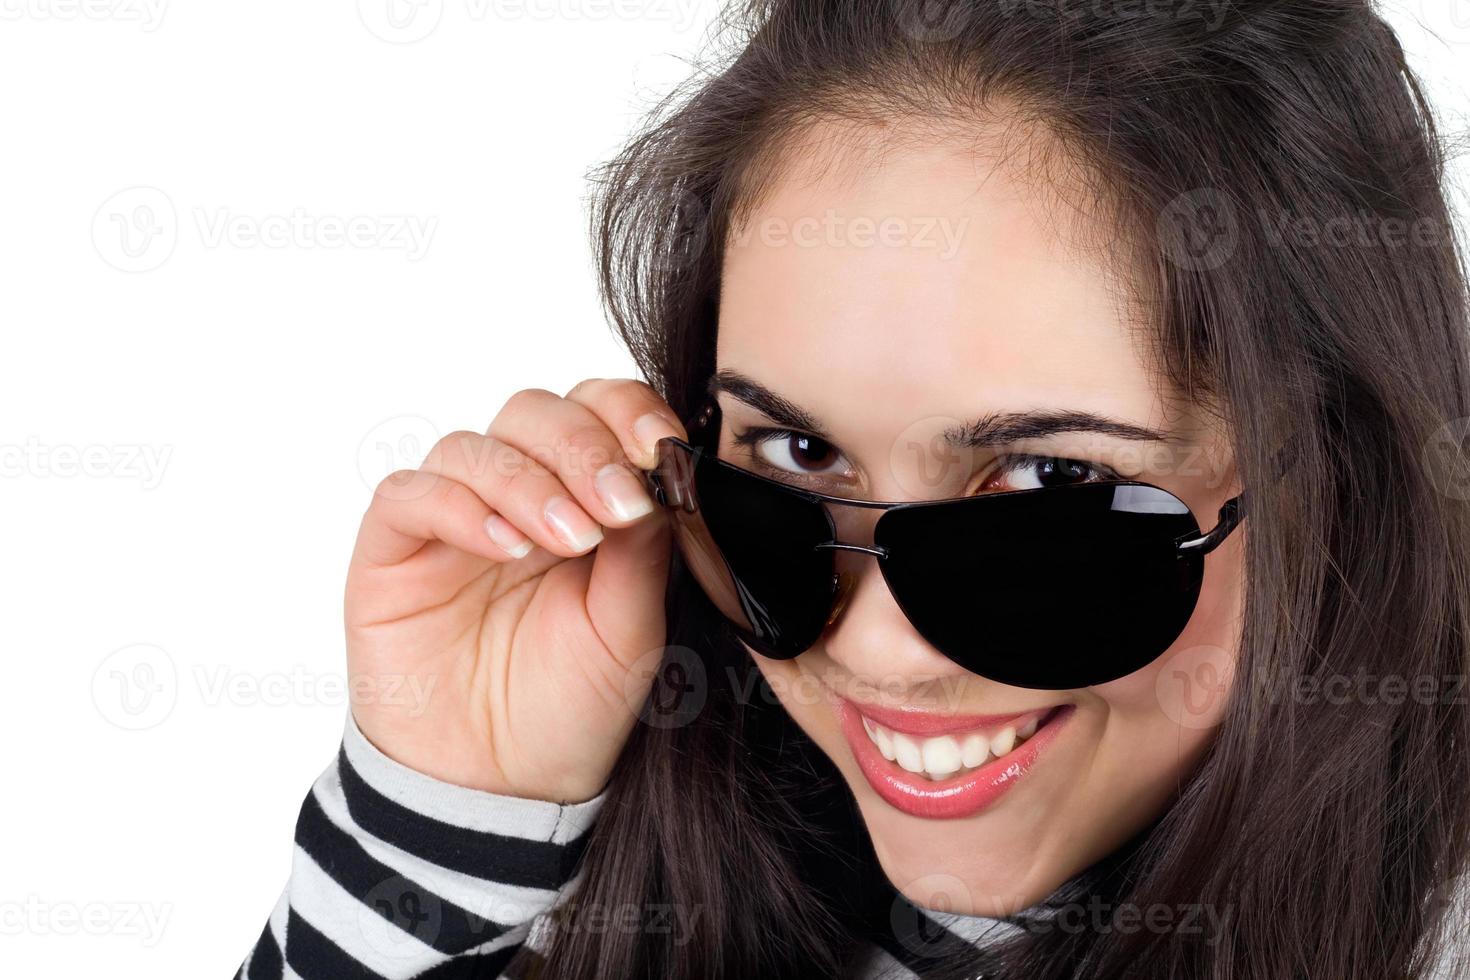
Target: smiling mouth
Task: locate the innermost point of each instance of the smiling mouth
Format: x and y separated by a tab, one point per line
940	757
946	766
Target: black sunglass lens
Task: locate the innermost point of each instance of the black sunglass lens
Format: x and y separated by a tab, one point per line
750	544
1059	588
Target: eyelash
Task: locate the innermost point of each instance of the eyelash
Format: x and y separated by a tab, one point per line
753	438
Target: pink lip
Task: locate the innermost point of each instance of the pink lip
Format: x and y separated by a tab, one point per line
912	722
961	795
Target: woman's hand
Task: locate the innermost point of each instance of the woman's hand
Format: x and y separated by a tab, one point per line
526	661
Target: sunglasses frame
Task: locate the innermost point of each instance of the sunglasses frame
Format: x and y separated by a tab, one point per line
1231	513
680	460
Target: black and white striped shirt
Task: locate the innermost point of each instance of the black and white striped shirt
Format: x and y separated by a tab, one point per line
397	874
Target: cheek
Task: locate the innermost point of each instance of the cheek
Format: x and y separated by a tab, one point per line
1181	697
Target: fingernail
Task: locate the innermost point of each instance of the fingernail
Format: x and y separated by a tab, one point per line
647	431
571	523
507	536
622	492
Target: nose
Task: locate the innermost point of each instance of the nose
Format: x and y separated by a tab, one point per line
867	633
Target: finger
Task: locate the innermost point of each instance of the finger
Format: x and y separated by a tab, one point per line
398	524
625	589
633	411
577	446
519	489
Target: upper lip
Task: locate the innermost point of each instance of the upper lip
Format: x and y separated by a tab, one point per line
913	721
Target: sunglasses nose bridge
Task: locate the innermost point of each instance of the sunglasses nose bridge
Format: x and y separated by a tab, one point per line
855	523
845	580
875	550
852	524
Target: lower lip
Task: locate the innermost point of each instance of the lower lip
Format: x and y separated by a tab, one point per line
961	795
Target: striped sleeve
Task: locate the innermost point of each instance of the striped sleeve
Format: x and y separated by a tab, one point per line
396	874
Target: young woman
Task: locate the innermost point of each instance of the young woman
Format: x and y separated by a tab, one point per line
1046	513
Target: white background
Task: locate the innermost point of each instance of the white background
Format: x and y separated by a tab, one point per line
191	423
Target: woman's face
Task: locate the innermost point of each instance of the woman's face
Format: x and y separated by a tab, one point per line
876	299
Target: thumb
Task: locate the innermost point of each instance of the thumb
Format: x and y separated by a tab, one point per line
625	590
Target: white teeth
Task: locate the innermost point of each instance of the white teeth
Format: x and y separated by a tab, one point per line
976	750
941	757
885	744
945	755
907	752
1003	741
881	738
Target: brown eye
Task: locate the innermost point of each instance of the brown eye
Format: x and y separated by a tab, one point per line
796	452
1035	472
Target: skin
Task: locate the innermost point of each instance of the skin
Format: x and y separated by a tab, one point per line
885	340
884	343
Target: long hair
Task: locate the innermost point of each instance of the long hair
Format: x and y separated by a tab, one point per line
1279	163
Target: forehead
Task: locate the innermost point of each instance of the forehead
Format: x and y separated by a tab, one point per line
931	277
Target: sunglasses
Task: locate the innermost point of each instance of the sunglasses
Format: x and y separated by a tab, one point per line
1053	588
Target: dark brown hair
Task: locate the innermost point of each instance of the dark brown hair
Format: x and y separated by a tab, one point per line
1239	140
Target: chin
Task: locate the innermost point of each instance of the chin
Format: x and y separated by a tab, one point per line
989	840
992	862
987	866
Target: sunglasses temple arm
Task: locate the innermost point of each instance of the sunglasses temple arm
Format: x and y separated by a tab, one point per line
1233	510
1231	513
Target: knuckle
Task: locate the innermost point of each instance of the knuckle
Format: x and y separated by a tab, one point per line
638	388
399	489
640	398
585	387
522	476
398	476
528	399
585	448
386	488
454	447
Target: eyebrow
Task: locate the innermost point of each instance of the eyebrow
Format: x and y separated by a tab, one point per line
988	431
